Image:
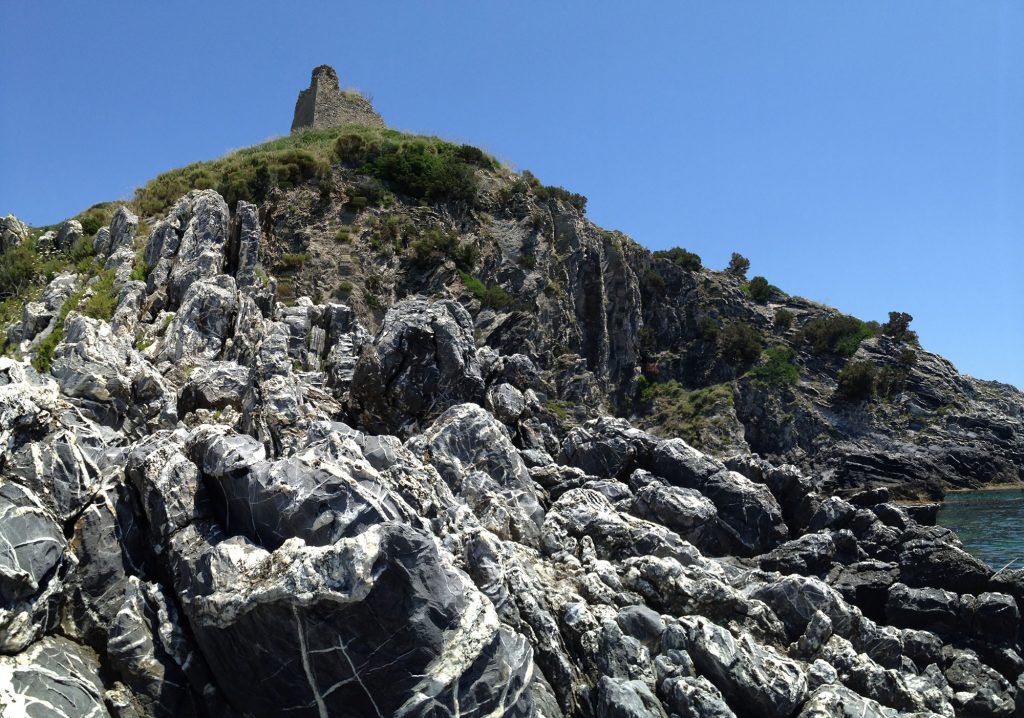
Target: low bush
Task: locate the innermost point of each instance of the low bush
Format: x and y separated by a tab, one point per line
681	258
437	245
898	327
489	295
840	334
19	270
679	412
783	319
294	261
776	368
857	381
740	344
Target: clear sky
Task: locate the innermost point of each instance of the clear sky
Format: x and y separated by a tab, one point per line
868	155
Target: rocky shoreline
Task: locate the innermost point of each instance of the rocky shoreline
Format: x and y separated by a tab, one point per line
191	529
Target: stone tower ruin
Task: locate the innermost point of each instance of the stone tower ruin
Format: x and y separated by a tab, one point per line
325	104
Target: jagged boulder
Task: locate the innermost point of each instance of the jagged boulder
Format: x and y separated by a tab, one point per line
422	361
54	678
474	454
215	386
204	321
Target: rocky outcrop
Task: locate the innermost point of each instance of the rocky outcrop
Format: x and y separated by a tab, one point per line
219	504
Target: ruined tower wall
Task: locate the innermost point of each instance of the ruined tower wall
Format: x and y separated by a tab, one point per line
324	104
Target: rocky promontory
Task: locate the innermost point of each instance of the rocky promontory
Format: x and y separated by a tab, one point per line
335	443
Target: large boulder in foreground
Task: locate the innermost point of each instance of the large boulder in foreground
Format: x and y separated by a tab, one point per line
422	362
375	625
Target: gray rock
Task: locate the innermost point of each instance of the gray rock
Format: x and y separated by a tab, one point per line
810	554
69	233
422	362
12	233
505	402
978	689
694	697
473	453
749	675
54	678
619	698
380	624
245	244
928	608
837	701
686	511
215	386
747	511
203	323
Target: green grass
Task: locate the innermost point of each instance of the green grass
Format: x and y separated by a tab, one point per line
294	261
682	413
437	245
103	301
492	295
247	174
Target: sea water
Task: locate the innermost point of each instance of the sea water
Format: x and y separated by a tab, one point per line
990	524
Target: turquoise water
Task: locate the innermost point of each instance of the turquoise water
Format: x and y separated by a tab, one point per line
990	524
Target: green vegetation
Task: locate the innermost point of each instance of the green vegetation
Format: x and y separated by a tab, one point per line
681	258
294	261
683	413
424	168
740	344
840	334
44	350
738	265
898	327
103	301
544	193
489	295
653	283
437	245
777	368
345	288
248	174
783	319
857	381
760	290
708	328
343	234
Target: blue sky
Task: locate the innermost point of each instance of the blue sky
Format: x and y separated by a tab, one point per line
868	155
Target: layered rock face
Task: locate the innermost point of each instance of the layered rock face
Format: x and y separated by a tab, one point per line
216	504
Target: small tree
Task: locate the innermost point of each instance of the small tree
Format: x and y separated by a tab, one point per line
783	319
740	344
760	290
898	327
738	265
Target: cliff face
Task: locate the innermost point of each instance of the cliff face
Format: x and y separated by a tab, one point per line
612	325
348	451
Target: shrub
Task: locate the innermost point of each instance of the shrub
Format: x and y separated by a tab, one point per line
783	319
898	327
858	380
908	357
343	234
424	169
740	344
491	295
293	261
738	265
777	367
546	193
681	258
891	381
653	283
760	290
103	301
436	245
708	328
19	269
839	334
345	286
